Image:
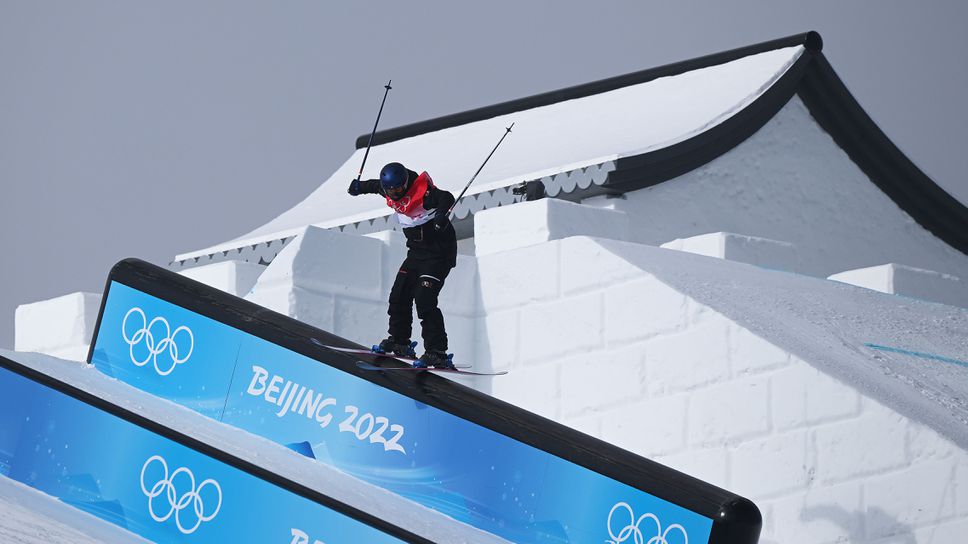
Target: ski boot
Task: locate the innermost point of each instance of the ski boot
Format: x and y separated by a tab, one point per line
393	347
436	359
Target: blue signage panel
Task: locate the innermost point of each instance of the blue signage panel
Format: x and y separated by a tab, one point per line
430	456
166	350
149	484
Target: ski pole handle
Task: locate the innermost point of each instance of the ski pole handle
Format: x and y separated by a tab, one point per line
370	141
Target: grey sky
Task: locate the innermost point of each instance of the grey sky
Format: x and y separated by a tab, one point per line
152	128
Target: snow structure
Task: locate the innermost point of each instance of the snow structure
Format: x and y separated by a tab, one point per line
726	352
238	443
28	516
61	326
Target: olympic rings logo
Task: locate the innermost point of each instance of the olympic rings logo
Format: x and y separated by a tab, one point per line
402	205
633	529
175	503
147	334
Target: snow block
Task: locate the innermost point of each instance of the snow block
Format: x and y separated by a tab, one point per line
318	266
518	277
363	322
903	498
803	396
664	435
529	223
60	327
715	416
340	282
587	265
744	249
625	320
898	279
389	237
535	390
322	261
873	443
561	327
620	333
804	517
457	297
782	457
234	277
394	252
496	336
584	377
690	359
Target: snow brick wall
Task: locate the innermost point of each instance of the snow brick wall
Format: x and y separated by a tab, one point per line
837	409
841	410
756	380
613	350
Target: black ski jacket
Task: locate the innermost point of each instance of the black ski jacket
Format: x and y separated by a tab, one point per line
425	242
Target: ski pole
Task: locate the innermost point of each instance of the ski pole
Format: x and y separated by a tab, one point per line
370	141
466	187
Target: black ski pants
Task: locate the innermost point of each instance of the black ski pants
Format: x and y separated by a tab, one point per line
419	282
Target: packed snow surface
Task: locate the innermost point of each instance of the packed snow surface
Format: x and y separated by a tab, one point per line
255	449
909	354
545	141
28	516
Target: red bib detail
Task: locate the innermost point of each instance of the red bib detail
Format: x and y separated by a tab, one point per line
411	204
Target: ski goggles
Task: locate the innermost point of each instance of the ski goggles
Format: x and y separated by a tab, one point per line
396	193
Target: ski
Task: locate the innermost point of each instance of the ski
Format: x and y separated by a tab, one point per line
370	352
370	366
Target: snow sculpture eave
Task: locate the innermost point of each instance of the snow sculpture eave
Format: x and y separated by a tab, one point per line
752	84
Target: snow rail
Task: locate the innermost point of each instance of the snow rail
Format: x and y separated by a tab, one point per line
152	480
481	461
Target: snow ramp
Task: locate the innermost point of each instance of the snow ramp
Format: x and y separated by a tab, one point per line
448	449
115	460
840	411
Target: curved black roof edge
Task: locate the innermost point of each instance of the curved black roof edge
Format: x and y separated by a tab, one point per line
830	103
648	169
810	40
837	111
811	77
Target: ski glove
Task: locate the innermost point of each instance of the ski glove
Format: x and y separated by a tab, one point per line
356	187
441	221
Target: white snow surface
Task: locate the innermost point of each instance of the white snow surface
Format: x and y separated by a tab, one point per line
545	141
898	279
28	516
61	326
258	450
830	324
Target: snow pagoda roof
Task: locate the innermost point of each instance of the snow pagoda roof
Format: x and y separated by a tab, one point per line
618	135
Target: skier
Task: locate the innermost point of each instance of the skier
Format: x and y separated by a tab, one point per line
422	210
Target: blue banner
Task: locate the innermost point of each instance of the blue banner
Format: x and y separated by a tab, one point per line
469	472
150	485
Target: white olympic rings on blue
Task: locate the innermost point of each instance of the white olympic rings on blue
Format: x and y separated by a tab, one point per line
633	528
165	487
156	348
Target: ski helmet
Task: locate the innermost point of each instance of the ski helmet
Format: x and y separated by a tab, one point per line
395	180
